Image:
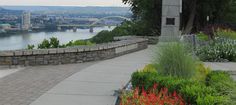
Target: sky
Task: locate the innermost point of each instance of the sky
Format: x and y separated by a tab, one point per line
62	2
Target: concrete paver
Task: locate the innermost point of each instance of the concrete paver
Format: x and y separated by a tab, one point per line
25	86
228	66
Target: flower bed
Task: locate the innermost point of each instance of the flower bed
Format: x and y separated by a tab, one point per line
151	97
206	88
176	77
222	47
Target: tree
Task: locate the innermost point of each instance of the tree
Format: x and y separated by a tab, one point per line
54	42
146	15
194	16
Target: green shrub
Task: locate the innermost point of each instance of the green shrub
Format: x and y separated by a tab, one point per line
51	43
147	80
143	79
174	59
79	42
103	37
30	47
218	51
222	82
225	33
54	42
126	28
201	72
194	92
213	100
149	68
203	37
44	45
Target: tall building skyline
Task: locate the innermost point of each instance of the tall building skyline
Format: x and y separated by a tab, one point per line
25	21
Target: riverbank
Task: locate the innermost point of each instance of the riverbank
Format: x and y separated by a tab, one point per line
21	40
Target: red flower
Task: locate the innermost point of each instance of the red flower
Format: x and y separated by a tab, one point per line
153	97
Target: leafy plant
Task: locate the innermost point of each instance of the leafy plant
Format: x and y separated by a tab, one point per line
203	37
103	37
201	72
44	45
30	47
213	100
220	50
191	92
146	79
79	42
149	68
222	82
126	28
174	59
225	33
54	42
213	88
151	97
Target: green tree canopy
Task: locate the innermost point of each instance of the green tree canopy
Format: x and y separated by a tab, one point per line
147	13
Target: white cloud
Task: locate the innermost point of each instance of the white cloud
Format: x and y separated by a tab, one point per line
63	2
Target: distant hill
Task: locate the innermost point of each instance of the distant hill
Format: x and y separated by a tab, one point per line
4	11
71	9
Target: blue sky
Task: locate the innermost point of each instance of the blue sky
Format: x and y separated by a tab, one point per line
63	2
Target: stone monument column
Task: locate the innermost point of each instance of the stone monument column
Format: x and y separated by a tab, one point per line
171	11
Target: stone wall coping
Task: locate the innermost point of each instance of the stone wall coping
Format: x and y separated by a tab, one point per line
76	49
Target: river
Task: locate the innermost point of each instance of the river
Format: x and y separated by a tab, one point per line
20	41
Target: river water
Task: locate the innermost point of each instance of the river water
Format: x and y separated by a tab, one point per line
20	41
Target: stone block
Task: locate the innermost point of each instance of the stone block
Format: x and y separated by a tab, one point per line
15	61
47	57
45	62
94	48
2	59
71	50
87	49
60	50
52	51
18	53
28	52
8	59
80	49
32	63
31	58
40	52
6	53
38	62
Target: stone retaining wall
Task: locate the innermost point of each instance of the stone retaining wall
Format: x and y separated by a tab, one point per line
77	54
151	39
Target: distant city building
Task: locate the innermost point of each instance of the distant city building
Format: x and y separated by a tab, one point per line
5	26
25	21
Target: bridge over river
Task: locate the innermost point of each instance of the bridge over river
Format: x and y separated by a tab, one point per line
91	26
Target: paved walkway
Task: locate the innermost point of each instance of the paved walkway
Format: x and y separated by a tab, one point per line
230	66
26	85
95	85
